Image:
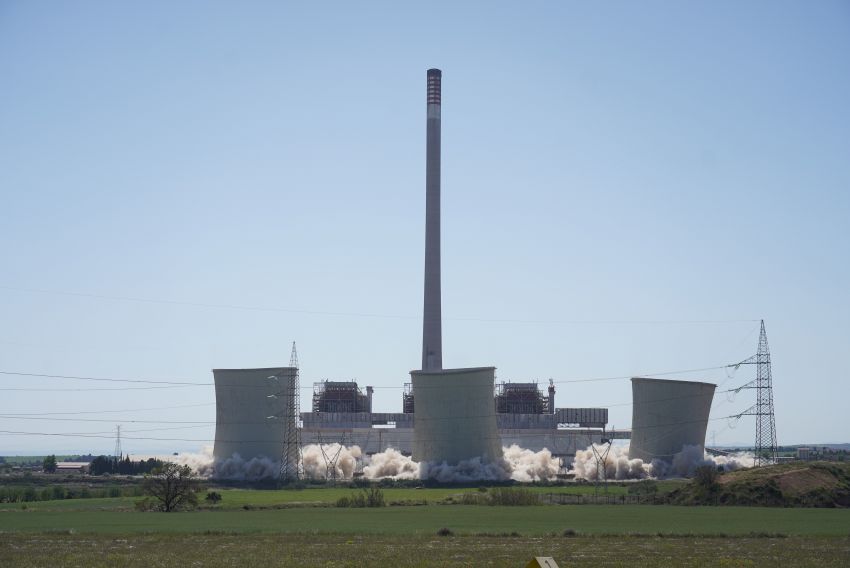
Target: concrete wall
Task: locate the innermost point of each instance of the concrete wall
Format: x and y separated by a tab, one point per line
242	407
668	415
320	420
455	415
562	442
370	440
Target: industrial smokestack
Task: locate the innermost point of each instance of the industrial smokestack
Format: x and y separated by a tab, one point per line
432	326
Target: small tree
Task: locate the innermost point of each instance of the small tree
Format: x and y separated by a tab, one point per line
49	464
213	497
173	487
706	476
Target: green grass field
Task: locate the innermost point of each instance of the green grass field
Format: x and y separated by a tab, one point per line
301	527
540	520
238	498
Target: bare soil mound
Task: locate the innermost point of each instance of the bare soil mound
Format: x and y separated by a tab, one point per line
805	484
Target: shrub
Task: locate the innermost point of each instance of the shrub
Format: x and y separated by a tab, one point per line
644	487
513	497
375	497
445	532
706	476
29	494
372	497
146	504
343	502
569	532
473	499
213	497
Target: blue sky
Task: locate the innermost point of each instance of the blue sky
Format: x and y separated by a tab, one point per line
603	168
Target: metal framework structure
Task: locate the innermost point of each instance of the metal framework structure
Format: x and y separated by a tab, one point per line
510	398
520	398
331	457
407	406
765	446
291	464
339	396
600	455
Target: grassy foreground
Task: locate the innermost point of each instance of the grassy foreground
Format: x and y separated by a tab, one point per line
426	520
219	550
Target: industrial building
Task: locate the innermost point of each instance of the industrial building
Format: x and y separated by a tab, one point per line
341	396
524	398
562	432
668	415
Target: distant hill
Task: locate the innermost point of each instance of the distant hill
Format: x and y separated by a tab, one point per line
803	484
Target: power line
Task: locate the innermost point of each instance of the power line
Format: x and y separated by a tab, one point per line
104	379
104	435
184	383
367	314
54	419
83	389
107	411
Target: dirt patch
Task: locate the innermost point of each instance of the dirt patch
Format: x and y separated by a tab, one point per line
802	481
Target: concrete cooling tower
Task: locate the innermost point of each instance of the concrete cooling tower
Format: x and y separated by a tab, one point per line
254	410
668	415
455	416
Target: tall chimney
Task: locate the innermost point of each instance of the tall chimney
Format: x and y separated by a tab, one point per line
432	326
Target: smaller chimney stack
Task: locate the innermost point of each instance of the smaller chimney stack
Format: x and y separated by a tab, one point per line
551	396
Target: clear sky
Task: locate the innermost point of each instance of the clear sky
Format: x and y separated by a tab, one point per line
604	168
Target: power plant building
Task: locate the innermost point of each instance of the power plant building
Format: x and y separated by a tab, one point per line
523	398
668	415
448	415
341	396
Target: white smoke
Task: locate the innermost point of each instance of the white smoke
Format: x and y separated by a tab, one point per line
518	464
526	465
737	460
391	463
316	464
200	462
234	468
617	464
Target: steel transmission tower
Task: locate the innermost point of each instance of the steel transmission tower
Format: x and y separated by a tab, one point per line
765	447
290	459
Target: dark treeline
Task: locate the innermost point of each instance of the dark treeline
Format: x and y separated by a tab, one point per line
123	466
30	493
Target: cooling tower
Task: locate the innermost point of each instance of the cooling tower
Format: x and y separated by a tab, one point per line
254	410
668	415
455	416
